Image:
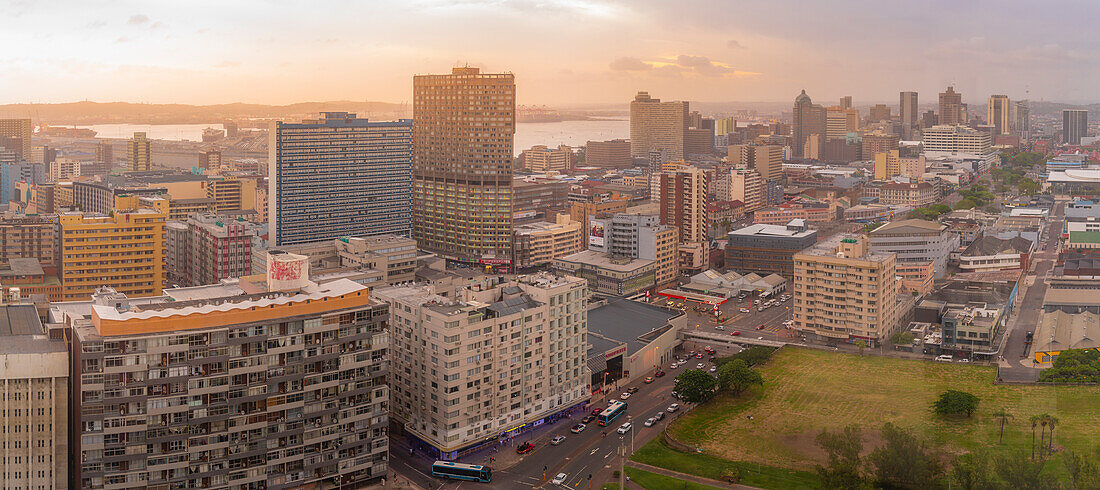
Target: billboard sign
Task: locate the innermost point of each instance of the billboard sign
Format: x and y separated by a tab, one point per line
596	231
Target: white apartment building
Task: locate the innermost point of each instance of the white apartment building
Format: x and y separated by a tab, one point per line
916	240
493	362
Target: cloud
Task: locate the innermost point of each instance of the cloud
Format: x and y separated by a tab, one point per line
139	19
733	44
627	63
228	64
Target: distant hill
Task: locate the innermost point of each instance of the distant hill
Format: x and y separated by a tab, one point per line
126	112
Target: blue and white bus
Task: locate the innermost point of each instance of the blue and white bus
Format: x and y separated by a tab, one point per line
460	471
612	412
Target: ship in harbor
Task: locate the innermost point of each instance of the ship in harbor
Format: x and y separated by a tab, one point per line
65	132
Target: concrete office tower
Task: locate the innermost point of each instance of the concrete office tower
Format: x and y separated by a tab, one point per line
657	126
18	128
767	160
241	386
747	186
889	164
463	129
1022	119
124	250
210	159
916	241
951	107
539	158
490	362
999	112
34	385
877	142
846	102
879	112
139	153
1075	125
860	304
956	139
839	122
807	119
684	203
339	175
907	109
608	154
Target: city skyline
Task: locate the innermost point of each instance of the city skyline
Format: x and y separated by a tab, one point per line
562	51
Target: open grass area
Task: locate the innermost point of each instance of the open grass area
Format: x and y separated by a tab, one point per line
806	391
653	481
657	453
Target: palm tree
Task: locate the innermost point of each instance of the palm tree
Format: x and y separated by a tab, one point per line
1051	421
1034	421
1043	432
1003	414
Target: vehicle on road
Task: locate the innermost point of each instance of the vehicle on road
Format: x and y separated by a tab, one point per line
648	379
650	421
596	411
659	374
632	390
612	412
699	366
577	429
557	440
760	327
672	408
525	448
743	310
719	327
735	332
713	369
944	358
460	471
558	480
588	418
624	396
964	360
623	429
659	415
759	308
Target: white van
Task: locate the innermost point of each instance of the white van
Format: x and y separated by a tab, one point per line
944	358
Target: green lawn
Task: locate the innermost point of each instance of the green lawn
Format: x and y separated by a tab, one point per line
653	481
806	391
657	453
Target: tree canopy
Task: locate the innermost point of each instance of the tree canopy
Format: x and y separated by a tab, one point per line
1074	366
695	386
843	467
904	461
954	402
737	376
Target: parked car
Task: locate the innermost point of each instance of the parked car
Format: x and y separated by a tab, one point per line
743	310
623	429
659	374
525	448
760	327
558	480
944	358
577	429
659	415
964	360
648	379
588	418
719	327
713	368
632	390
699	366
624	396
557	440
650	421
672	408
735	332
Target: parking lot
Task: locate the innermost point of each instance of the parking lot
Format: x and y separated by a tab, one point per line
738	314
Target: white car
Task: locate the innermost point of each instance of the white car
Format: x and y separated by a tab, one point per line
650	421
719	327
558	480
743	310
964	360
672	408
623	429
713	369
557	440
624	396
699	366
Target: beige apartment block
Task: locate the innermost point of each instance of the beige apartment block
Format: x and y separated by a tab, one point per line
657	126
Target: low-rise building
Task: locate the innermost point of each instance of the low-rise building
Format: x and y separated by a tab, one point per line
870	213
393	255
609	276
26	278
767	249
538	244
914	194
542	159
916	241
971	329
917	278
1060	330
990	253
813	212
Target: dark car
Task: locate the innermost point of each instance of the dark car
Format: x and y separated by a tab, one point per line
525	448
596	411
632	390
659	374
588	418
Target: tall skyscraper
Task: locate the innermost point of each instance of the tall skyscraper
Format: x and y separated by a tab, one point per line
839	122
463	129
907	108
657	126
807	119
18	128
846	102
339	176
999	114
767	160
951	107
1022	119
139	152
1075	125
684	202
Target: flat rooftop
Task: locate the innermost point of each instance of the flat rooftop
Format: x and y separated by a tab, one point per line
628	321
602	261
771	231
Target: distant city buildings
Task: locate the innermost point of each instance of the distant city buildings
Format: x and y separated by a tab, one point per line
608	154
539	158
338	176
139	153
15	134
538	244
999	114
951	108
657	126
907	109
807	119
1075	125
463	128
683	203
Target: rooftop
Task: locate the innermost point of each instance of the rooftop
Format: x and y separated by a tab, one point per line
991	245
909	226
21	267
21	332
628	321
603	261
772	231
1059	331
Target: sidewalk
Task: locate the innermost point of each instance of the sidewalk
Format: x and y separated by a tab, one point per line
684	476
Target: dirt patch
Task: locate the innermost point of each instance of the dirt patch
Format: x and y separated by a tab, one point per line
804	445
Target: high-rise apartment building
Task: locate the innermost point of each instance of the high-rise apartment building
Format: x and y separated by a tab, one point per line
491	362
235	385
684	201
844	291
767	160
1075	125
878	113
877	142
139	153
34	385
539	158
21	129
124	250
463	129
538	244
638	236
338	176
30	237
951	107
807	119
747	186
217	248
657	126
846	102
889	164
999	112
1022	119
210	159
608	154
105	154
907	109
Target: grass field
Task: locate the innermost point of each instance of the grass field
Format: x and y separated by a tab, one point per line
806	391
657	453
653	481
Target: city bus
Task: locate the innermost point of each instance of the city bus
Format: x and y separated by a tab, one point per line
460	471
612	412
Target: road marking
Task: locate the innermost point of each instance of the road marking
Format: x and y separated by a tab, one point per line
525	483
593	451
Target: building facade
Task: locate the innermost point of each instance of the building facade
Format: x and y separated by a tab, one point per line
683	203
1075	125
638	236
999	114
538	244
950	108
657	126
139	153
218	248
539	158
393	255
914	195
608	154
916	241
30	237
463	129
767	249
907	108
807	119
19	131
339	176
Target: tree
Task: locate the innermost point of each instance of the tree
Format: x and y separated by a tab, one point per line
1043	419
843	448
753	356
1074	366
1027	186
904	461
861	344
737	376
970	471
695	386
1051	422
1003	414
1016	471
904	337
1034	422
1082	471
953	402
966	203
